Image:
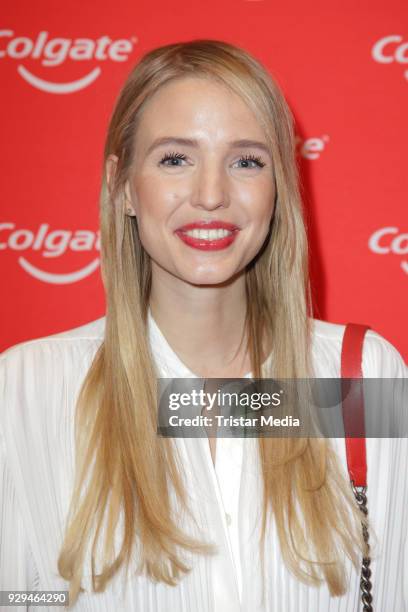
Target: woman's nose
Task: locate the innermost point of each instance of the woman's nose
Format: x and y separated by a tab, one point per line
210	189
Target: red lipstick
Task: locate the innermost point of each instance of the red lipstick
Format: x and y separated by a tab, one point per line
205	244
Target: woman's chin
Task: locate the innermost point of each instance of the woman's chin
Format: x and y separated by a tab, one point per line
213	277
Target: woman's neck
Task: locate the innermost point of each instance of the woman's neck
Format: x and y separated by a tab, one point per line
204	325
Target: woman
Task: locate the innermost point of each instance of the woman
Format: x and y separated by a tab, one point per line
200	134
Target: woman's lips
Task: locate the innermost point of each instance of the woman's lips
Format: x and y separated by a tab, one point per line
205	244
213	224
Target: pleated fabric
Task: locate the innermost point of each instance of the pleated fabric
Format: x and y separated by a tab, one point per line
39	385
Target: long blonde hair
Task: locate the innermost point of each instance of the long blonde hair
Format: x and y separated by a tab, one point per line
130	470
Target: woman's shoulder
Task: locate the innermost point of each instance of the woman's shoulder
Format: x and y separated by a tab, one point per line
78	339
40	380
38	376
381	359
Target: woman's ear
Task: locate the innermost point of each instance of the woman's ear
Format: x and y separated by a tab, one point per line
111	165
128	201
110	168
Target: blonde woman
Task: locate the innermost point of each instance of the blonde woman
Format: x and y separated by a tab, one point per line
93	500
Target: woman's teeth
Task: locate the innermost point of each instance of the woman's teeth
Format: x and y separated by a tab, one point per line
213	234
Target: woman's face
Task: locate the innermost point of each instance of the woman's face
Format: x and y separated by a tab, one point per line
200	156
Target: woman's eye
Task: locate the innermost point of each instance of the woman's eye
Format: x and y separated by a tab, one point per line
248	160
173	158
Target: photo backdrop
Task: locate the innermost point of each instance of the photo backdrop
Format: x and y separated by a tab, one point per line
343	68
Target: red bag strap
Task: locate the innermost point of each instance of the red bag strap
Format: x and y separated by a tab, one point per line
353	402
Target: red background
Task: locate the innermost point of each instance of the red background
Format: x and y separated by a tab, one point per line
320	54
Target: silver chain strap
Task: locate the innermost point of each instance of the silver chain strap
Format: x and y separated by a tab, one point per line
365	583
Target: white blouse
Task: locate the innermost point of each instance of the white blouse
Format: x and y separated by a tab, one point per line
39	385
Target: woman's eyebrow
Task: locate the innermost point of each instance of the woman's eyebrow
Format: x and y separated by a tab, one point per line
243	143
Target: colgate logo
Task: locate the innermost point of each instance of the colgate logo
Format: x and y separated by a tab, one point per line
391	49
388	240
55	51
49	244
